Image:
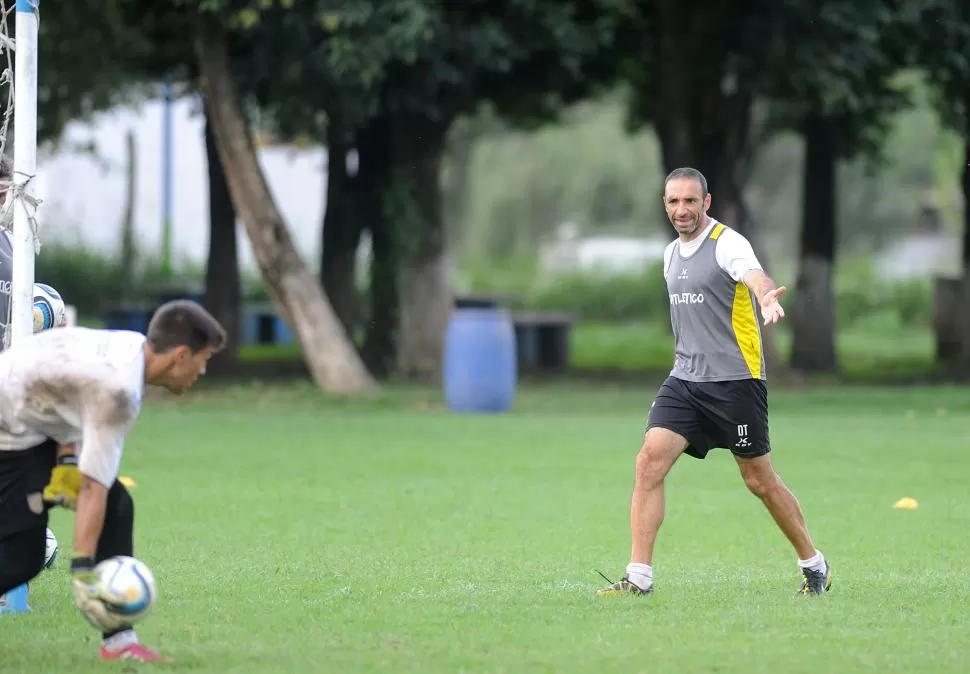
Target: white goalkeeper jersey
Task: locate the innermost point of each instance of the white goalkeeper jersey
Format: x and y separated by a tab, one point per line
73	385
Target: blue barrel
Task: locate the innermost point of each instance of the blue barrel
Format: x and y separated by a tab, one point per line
480	368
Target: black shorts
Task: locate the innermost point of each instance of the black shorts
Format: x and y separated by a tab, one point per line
718	414
23	476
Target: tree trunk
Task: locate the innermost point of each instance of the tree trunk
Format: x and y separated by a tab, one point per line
381	338
964	313
706	116
331	357
813	313
380	218
425	288
341	236
223	294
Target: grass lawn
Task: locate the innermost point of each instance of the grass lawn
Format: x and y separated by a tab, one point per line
291	532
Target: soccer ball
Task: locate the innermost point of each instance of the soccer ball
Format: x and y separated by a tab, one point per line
50	553
49	309
126	586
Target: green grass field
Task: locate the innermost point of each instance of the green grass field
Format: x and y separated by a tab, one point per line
291	532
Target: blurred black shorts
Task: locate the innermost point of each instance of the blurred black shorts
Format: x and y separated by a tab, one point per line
23	476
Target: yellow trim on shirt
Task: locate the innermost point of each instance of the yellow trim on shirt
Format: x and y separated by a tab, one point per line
744	320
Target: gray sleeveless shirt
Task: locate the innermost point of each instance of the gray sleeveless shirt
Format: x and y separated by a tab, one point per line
717	333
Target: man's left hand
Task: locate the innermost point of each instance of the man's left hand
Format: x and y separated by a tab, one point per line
64	484
771	309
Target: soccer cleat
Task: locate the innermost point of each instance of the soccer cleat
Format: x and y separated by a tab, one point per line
815	582
134	653
621	587
15	601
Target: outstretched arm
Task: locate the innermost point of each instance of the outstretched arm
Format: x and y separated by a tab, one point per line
767	293
736	256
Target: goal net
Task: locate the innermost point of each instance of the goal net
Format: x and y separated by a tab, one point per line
19	243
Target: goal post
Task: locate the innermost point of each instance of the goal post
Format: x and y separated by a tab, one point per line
20	195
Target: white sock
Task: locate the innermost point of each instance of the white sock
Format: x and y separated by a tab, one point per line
640	575
816	562
121	640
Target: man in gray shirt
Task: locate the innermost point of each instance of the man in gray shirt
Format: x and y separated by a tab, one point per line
715	396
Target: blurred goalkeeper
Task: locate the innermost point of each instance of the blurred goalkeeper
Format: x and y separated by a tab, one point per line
77	387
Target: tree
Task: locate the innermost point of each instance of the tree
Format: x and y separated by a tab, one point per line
332	360
697	77
523	57
839	90
392	77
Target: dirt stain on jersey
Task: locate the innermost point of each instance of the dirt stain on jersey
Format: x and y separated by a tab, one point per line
109	405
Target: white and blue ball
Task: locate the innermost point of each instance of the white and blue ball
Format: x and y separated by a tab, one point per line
50	552
49	309
126	586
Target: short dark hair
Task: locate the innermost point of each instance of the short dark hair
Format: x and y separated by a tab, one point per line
688	172
184	323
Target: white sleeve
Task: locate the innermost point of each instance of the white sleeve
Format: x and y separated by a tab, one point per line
100	457
668	256
735	255
107	421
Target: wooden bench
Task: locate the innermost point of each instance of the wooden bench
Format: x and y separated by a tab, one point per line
542	340
261	323
127	316
542	337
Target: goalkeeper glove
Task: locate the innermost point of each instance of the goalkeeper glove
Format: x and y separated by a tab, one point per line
65	483
87	596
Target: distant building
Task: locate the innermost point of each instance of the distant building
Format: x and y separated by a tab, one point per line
82	184
928	252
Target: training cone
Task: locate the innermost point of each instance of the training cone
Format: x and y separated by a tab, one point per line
906	503
127	481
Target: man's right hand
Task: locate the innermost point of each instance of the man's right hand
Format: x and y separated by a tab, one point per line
65	483
87	597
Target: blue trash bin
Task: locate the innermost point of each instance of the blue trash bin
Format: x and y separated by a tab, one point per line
480	365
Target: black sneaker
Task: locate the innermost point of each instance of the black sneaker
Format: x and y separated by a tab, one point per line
621	587
815	582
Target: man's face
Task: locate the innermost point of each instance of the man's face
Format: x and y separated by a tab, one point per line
686	205
186	368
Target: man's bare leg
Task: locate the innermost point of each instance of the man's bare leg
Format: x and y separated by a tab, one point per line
762	480
657	455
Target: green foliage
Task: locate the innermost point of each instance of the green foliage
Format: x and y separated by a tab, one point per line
844	69
833	59
565	168
941	45
861	296
340	62
92	281
586	170
606	297
84	70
